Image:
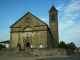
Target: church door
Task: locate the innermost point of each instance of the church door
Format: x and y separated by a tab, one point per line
27	43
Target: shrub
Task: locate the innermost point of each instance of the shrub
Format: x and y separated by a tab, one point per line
2	46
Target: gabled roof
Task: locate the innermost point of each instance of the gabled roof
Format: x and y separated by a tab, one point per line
52	9
24	16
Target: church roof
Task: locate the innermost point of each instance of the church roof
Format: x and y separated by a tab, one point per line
24	16
52	9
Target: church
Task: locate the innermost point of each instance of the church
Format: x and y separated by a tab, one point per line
30	31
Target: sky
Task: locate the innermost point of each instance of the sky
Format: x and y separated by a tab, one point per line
68	16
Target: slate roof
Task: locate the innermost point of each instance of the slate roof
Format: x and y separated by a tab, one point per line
52	9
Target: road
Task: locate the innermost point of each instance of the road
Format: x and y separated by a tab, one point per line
72	57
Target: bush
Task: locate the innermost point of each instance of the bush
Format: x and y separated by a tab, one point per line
71	45
62	45
67	46
2	46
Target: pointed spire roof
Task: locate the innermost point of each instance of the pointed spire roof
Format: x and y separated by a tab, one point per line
52	9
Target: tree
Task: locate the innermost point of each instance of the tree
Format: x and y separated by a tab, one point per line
62	44
2	46
67	46
71	46
19	45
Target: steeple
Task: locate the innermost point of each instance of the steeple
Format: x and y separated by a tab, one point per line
52	9
53	24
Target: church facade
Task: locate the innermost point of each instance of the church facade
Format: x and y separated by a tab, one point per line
30	31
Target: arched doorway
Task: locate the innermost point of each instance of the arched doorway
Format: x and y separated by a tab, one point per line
27	43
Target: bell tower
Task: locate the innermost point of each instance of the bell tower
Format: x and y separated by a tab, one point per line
53	24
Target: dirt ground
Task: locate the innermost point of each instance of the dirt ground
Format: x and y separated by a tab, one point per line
24	58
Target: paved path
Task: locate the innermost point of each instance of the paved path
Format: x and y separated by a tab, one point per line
72	57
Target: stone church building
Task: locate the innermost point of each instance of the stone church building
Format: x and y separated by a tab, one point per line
30	31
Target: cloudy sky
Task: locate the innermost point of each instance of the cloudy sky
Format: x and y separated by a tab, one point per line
68	16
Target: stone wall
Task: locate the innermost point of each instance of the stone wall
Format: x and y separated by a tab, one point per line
58	52
69	51
6	51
